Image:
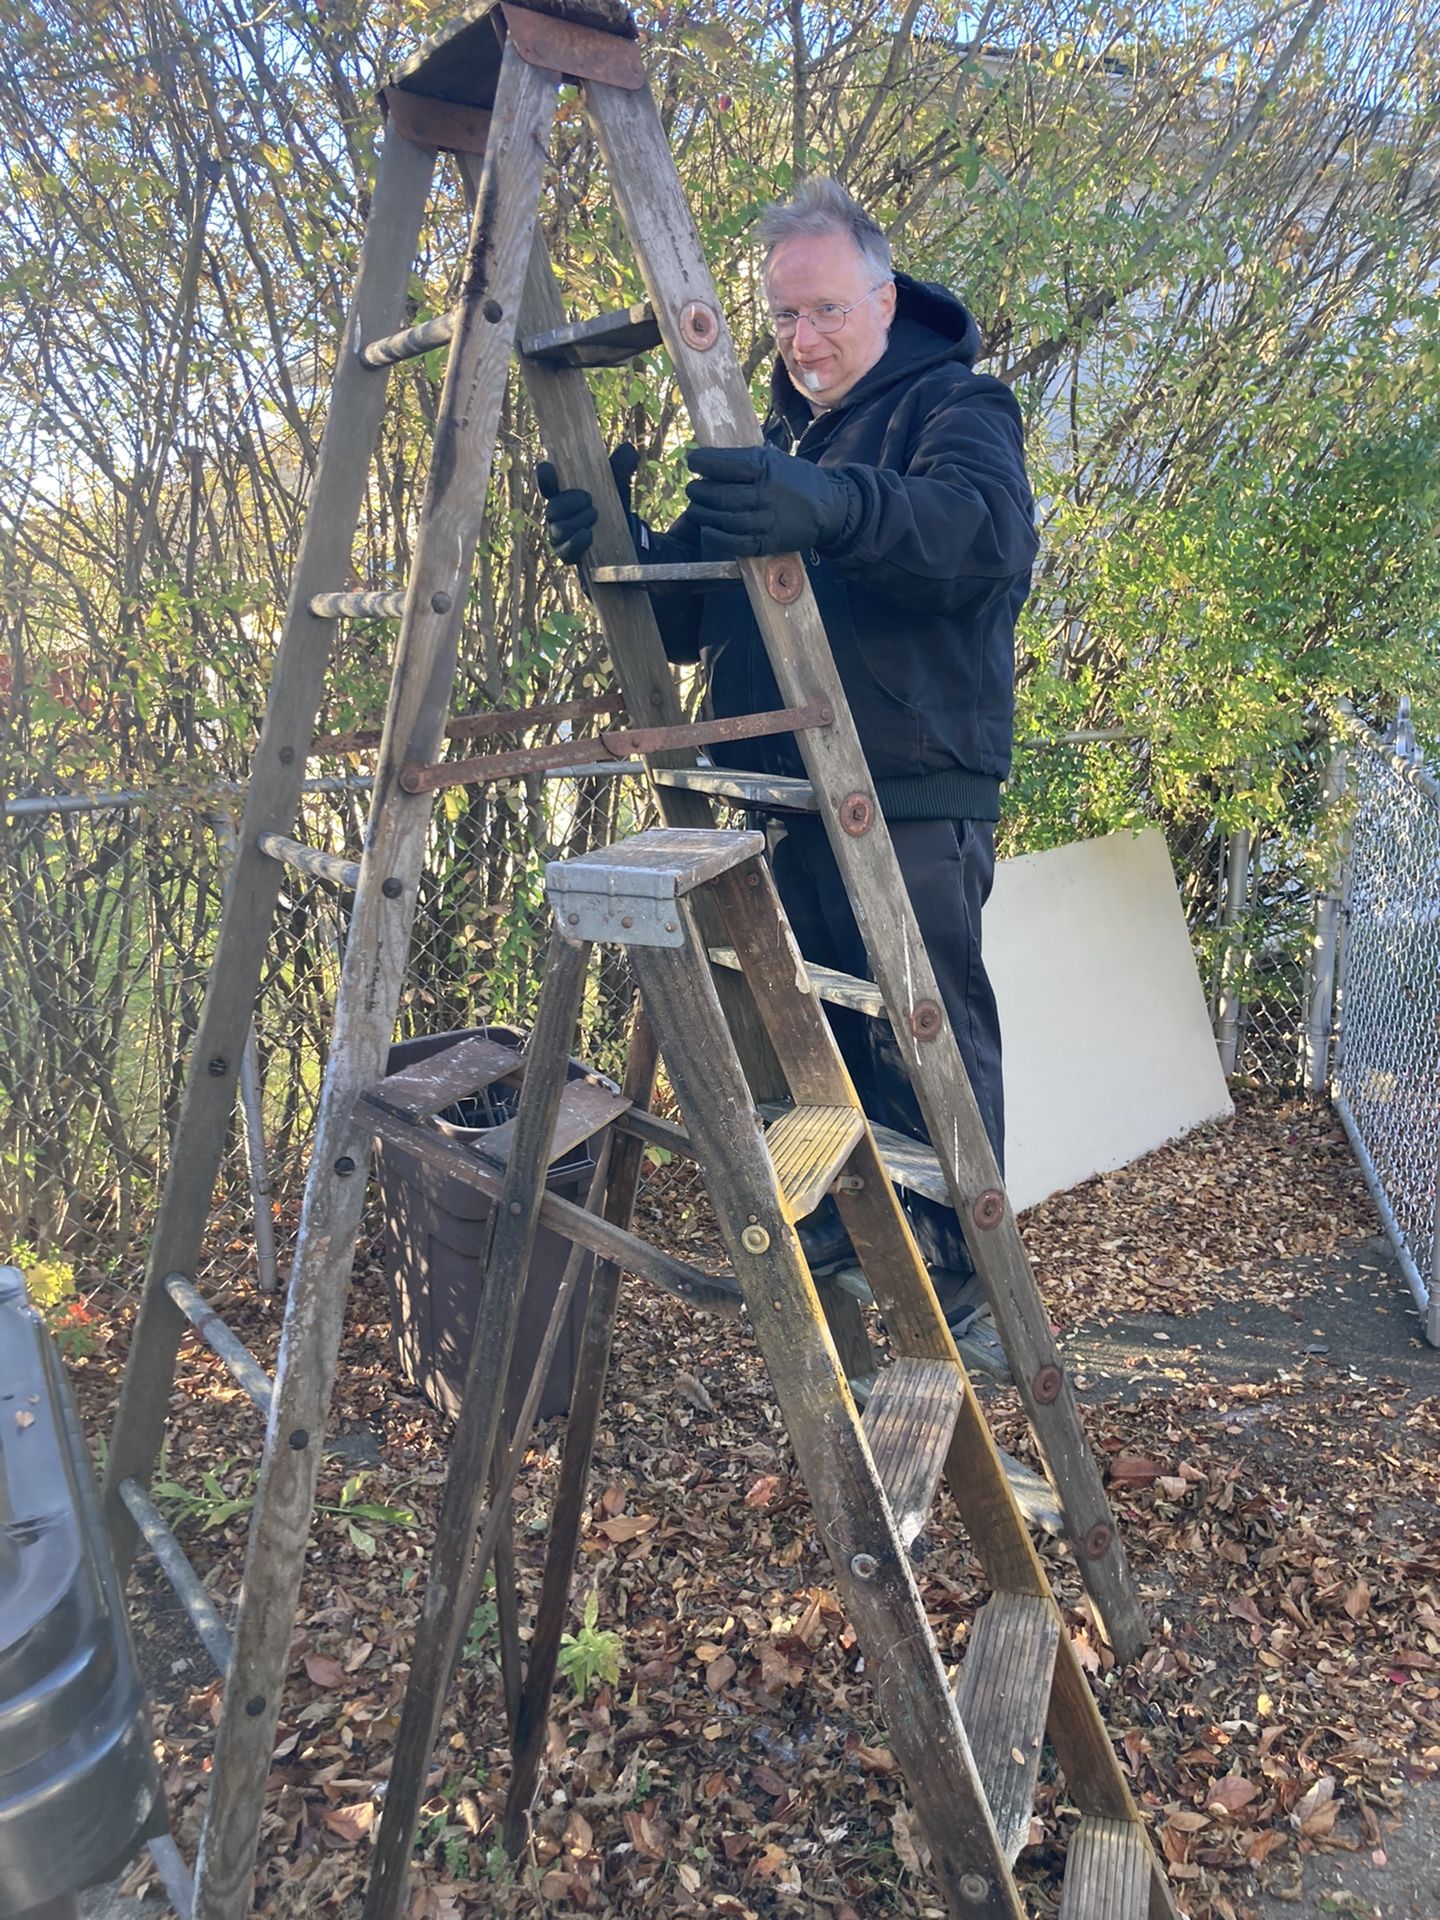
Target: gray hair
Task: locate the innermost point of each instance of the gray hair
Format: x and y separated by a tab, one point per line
823	206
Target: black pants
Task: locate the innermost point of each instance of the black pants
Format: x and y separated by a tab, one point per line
948	867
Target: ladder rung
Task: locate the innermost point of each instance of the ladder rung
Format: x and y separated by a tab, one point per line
173	1563
1004	1697
585	1107
842	989
410	342
1107	1872
609	340
694	572
333	867
745	789
808	1147
909	1420
911	1164
241	1364
175	1876
451	1074
369	605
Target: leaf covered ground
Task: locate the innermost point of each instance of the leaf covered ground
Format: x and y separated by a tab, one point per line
1276	1483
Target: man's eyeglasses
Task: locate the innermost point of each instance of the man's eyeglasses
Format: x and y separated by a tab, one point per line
828	317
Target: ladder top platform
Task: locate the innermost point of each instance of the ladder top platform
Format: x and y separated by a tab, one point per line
461	63
660	864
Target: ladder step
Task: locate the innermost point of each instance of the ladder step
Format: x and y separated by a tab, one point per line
1003	1697
1107	1872
409	344
745	789
369	605
176	1877
240	1363
451	1074
809	1146
911	1164
841	989
333	867
173	1562
694	572
585	1107
909	1420
609	340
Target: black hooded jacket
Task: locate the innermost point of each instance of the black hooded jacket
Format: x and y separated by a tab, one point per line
920	606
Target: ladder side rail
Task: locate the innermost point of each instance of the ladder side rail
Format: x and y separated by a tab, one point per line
587	1402
356	407
376	956
999	1537
468	1476
872	1568
657	218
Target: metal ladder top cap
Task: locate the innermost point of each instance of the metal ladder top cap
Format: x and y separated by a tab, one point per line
628	892
660	864
462	63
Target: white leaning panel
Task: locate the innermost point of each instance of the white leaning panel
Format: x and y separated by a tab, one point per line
1108	1046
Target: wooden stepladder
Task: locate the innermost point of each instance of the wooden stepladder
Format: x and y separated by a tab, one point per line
486	91
970	1753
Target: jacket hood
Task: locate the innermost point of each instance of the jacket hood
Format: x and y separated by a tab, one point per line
931	325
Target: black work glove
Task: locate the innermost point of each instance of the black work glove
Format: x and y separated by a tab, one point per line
570	516
751	500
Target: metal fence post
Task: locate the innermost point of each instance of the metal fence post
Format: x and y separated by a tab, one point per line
1229	1003
1320	985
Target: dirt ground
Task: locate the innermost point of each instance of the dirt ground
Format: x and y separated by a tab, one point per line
1257	1390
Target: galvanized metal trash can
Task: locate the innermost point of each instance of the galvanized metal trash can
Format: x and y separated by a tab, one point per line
79	1790
435	1227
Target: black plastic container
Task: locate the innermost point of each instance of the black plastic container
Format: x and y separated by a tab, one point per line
435	1226
78	1786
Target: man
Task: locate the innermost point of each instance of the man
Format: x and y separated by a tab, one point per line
899	473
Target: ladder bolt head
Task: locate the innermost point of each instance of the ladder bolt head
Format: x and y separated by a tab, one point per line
255	1706
926	1020
572	919
857	814
344	1165
627	919
989	1209
784	582
864	1566
699	325
755	1240
218	1067
286	756
515	1207
439	603
1045	1387
493	311
973	1886
392	888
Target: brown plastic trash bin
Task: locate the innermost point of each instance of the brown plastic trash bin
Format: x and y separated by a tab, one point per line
435	1226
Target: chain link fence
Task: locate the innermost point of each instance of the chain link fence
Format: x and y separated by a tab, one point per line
1386	1081
111	907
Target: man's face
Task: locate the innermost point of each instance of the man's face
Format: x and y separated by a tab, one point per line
822	269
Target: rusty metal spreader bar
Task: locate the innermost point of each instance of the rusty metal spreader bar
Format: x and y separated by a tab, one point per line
619	744
471	726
